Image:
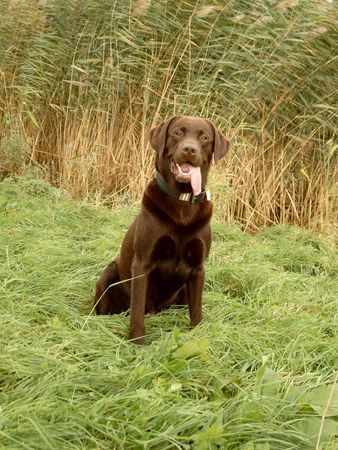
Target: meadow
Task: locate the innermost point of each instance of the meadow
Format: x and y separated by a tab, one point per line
259	373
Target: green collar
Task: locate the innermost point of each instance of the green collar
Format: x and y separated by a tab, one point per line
185	196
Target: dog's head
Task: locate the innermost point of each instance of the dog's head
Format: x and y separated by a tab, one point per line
185	147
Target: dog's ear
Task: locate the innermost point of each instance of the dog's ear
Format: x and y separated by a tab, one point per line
158	134
221	144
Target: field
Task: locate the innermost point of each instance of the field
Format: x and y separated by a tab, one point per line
259	373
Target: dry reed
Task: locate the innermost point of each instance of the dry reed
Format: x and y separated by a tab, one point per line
83	97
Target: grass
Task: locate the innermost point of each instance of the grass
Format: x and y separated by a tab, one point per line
82	82
259	372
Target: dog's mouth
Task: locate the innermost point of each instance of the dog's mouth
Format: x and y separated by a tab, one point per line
187	173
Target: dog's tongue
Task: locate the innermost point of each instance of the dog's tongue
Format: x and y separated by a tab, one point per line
195	177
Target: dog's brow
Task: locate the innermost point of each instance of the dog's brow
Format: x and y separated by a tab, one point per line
178	127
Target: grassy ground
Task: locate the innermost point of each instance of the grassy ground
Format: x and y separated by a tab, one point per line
257	374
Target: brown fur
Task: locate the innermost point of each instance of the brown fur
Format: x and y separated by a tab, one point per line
163	253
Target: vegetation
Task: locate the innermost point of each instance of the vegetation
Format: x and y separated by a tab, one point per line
258	373
81	82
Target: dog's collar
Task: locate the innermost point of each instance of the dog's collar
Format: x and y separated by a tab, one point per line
185	196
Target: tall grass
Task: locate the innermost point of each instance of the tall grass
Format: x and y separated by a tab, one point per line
82	82
259	372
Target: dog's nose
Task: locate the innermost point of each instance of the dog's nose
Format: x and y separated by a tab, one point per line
189	149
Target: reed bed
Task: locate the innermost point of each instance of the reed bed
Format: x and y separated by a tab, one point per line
81	83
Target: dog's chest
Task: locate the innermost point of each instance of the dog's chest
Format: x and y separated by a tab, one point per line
173	254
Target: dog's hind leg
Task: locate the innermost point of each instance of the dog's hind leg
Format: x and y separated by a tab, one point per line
111	296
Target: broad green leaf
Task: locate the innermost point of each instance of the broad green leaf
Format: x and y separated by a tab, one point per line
192	348
313	428
324	400
267	381
294	393
176	366
250	411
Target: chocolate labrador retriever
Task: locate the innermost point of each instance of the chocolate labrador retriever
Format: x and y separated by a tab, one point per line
162	256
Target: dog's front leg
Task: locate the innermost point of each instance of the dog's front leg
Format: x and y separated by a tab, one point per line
137	303
194	296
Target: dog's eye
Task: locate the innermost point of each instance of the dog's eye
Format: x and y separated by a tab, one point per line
204	137
178	133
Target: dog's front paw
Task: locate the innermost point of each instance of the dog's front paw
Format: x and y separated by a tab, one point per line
137	338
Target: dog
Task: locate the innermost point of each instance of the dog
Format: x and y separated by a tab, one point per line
162	257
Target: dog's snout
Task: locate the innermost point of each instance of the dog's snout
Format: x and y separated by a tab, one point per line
190	149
